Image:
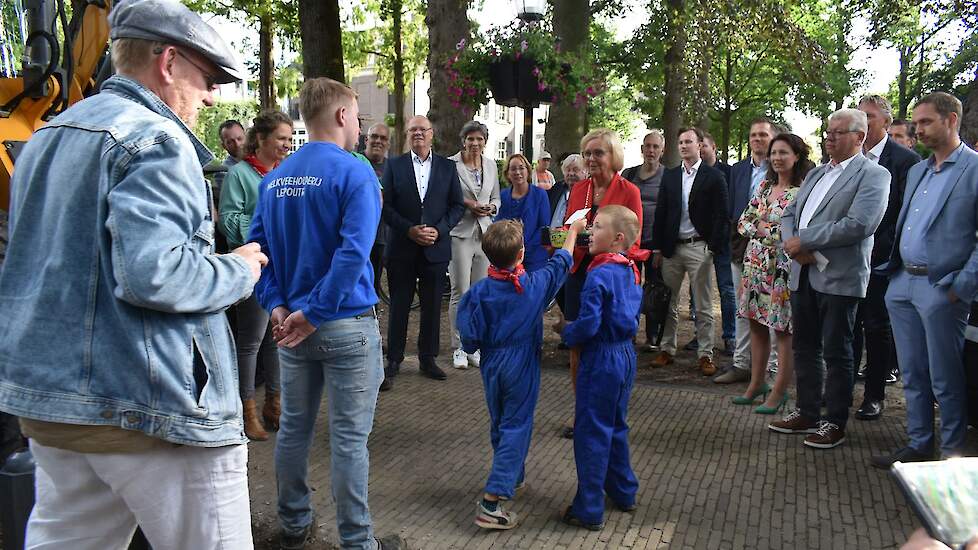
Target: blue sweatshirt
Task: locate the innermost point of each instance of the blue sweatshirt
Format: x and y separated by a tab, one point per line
533	209
316	220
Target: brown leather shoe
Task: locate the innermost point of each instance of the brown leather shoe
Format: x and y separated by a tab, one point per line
707	367
272	410
661	360
253	428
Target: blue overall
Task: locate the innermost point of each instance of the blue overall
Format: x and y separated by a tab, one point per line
604	329
508	329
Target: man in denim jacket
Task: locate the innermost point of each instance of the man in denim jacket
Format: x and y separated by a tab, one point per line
114	348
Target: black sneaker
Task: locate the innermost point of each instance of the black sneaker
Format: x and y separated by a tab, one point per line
570	519
297	541
906	454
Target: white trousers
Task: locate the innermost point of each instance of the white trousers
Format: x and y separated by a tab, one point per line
469	266
696	261
741	358
182	498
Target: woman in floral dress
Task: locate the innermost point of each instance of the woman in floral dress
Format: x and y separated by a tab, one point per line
765	296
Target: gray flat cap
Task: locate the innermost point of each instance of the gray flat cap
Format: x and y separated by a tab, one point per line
171	22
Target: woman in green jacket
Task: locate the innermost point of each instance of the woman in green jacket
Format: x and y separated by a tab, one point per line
268	142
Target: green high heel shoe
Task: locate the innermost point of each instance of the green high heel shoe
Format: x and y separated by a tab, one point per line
771	410
741	400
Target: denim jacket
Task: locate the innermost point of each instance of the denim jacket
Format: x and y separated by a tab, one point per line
111	296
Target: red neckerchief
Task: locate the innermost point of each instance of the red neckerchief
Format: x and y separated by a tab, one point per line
257	165
614	258
512	275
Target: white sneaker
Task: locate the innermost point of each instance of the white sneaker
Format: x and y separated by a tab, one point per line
460	360
475	358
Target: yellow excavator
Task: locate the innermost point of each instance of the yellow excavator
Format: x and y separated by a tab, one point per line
62	64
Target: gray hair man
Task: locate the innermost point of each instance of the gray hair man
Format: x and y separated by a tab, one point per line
134	404
828	232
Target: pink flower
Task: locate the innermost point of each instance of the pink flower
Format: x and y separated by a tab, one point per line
470	91
590	91
536	71
524	46
541	87
460	45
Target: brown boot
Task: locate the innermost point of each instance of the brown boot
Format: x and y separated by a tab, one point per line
253	428
272	410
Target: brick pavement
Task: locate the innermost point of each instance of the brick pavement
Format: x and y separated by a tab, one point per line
711	474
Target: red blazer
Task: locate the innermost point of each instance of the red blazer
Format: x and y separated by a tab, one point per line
621	192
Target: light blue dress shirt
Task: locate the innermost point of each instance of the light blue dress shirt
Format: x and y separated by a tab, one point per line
924	205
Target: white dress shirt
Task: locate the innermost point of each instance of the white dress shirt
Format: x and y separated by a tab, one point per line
822	188
422	172
875	152
686	229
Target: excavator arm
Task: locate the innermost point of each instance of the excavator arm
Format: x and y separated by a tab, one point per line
49	85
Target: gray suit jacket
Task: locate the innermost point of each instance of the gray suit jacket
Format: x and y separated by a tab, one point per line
489	195
842	227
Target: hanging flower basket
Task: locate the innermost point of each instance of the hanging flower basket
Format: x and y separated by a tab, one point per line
520	65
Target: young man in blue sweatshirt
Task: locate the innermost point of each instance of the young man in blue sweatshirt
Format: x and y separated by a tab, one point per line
316	218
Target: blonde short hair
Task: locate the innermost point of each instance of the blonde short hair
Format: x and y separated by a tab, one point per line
623	221
131	55
320	94
610	139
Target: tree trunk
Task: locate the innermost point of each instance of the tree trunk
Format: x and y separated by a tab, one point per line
727	114
266	63
566	124
322	42
399	91
902	101
674	79
969	121
448	23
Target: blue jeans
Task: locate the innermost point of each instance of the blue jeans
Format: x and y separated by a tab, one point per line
728	295
343	358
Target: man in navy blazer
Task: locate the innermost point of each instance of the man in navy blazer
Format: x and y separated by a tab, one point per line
871	317
422	203
933	270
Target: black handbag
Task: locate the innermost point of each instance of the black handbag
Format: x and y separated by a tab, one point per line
655	300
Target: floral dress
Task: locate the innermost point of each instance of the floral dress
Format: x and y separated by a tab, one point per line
764	295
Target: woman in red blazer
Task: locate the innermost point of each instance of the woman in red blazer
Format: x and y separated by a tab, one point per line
604	157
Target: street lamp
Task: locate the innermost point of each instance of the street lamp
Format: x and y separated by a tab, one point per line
530	10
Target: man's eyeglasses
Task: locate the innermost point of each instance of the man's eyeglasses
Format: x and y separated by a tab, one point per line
379	137
209	79
836	133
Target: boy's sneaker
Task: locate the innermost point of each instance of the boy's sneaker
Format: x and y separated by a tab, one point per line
475	359
460	359
794	423
494	519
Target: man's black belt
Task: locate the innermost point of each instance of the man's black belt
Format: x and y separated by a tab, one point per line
915	269
690	240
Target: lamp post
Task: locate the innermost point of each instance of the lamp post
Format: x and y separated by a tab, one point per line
530	12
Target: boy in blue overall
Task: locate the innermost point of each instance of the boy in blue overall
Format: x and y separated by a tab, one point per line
502	317
605	326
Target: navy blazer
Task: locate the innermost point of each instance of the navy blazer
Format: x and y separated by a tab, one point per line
442	208
898	160
952	244
738	189
707	210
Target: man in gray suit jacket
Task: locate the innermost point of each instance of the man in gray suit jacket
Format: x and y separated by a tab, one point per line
933	270
828	232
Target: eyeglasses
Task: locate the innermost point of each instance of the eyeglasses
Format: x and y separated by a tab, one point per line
836	133
209	79
596	153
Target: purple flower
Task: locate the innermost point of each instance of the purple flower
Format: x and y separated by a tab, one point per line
470	91
536	71
590	91
541	87
460	45
524	46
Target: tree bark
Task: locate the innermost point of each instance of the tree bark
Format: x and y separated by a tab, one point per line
322	42
566	124
266	63
902	100
969	120
675	85
399	91
448	23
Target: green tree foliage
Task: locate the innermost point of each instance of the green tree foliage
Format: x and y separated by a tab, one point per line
211	118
